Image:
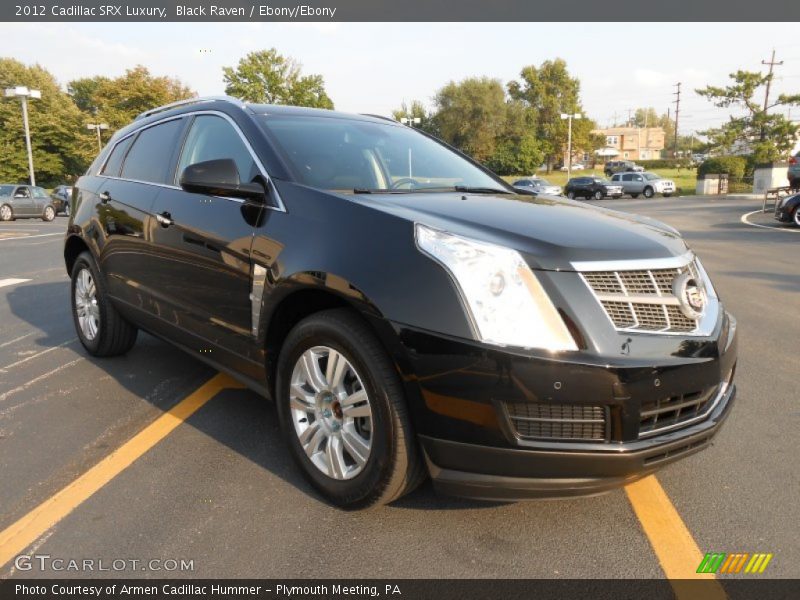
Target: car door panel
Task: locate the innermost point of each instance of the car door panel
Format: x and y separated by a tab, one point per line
23	205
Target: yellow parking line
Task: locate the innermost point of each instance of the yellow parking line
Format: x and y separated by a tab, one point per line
671	540
15	538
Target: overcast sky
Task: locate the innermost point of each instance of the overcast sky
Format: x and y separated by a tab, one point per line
372	67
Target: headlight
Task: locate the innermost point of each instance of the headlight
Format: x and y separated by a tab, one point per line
504	300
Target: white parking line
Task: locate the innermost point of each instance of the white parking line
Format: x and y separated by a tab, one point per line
744	220
37	355
11	281
9	342
28	237
26	385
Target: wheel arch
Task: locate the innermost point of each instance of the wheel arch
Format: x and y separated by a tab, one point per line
73	247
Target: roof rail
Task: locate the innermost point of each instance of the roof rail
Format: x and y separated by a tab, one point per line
188	101
383	117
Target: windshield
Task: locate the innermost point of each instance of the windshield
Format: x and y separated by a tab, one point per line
352	155
5	190
650	176
600	180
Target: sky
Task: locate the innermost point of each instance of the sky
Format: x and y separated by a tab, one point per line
373	67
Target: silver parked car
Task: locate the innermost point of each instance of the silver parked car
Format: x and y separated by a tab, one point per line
538	185
647	184
20	201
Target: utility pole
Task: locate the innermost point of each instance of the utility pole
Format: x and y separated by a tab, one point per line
677	101
569	117
771	64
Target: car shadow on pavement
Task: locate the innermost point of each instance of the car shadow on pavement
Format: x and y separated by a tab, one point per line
163	375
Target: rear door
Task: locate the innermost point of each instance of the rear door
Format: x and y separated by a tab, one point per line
40	200
136	170
201	246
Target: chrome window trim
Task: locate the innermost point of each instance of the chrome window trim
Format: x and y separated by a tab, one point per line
281	207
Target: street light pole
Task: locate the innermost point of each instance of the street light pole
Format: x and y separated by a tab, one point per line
23	93
569	117
97	127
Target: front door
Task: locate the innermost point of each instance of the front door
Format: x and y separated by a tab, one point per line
22	202
201	248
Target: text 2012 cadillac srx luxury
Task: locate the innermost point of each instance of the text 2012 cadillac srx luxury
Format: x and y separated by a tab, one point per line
410	313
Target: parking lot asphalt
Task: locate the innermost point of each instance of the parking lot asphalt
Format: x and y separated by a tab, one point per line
219	489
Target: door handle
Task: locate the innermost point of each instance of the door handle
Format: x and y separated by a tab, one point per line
104	197
164	218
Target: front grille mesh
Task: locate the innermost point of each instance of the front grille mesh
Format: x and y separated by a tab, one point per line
642	299
674	410
557	422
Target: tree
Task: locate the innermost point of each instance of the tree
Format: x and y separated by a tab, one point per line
267	77
62	146
119	100
471	115
518	151
548	91
768	135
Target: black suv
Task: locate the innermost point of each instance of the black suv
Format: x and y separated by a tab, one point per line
407	311
621	166
592	187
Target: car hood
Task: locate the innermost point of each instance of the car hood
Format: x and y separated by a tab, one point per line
551	232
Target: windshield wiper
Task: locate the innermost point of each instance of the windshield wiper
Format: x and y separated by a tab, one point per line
479	190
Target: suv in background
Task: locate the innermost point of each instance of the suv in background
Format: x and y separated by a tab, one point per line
62	197
794	172
409	313
592	187
646	184
621	166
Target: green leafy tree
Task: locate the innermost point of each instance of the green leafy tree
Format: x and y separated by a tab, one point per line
471	115
548	91
62	146
267	77
119	100
769	135
518	151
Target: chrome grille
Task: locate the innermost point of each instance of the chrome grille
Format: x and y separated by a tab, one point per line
642	299
675	410
557	421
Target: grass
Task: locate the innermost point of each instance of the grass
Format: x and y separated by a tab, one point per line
685	179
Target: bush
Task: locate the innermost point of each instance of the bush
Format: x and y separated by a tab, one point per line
734	166
665	163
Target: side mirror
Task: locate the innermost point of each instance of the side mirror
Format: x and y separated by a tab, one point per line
219	177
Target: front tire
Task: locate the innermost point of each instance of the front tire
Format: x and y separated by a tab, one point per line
49	213
598	195
797	216
571	195
648	192
67	211
343	412
101	329
6	214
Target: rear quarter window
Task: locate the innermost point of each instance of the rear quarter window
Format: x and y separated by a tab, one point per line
150	156
114	161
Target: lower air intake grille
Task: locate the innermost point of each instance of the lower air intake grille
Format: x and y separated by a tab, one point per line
674	410
558	422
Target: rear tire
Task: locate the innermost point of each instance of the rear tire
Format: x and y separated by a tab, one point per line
101	329
797	216
648	192
571	195
598	195
319	416
49	213
66	209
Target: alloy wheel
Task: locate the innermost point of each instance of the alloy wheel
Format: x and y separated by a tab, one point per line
331	412
5	213
797	216
86	307
49	213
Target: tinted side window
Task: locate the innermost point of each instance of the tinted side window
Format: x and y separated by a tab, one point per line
627	178
39	193
212	138
149	157
114	161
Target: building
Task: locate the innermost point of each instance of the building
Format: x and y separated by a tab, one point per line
632	143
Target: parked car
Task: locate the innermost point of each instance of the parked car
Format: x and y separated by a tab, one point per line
787	210
621	166
794	172
538	185
646	184
61	197
592	187
574	167
25	201
408	318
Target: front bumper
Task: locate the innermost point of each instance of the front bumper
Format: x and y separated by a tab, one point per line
462	394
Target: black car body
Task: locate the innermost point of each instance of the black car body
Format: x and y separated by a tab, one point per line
427	286
25	202
592	187
787	210
61	197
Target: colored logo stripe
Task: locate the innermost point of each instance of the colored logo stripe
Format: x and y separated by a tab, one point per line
714	562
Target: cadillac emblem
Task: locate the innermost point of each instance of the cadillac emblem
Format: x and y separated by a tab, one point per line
691	294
